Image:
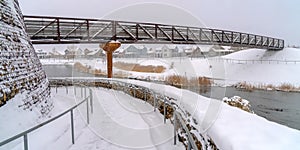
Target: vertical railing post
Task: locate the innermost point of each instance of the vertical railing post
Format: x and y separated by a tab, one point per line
87	112
72	127
154	97
200	34
25	142
58	30
165	110
155	32
81	90
137	31
175	126
145	96
67	91
88	30
56	89
84	92
91	100
75	90
114	30
241	38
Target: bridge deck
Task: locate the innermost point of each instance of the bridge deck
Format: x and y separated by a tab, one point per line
59	30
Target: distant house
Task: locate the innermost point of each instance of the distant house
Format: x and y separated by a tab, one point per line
135	51
170	51
197	52
194	51
188	50
69	54
158	52
167	51
86	51
42	54
97	53
151	52
55	54
119	53
73	51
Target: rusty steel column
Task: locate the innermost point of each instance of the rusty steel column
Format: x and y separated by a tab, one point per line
109	48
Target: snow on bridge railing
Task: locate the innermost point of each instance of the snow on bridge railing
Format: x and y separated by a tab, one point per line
24	134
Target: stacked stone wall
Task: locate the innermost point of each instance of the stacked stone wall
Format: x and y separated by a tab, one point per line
20	69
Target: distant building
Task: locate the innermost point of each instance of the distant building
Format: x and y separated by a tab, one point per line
97	53
73	51
170	51
135	51
167	51
194	51
86	51
42	54
151	52
55	54
188	50
119	53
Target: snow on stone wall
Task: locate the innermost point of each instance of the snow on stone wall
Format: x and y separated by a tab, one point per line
20	69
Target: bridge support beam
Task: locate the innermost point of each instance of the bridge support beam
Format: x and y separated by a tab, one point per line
109	48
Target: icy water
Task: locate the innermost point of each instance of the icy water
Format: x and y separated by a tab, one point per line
277	106
63	71
280	107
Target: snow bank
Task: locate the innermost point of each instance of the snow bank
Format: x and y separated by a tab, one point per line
230	127
287	54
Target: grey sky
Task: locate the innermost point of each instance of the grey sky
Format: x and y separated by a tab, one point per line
276	18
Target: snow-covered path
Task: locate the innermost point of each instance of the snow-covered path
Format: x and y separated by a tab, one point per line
119	121
129	122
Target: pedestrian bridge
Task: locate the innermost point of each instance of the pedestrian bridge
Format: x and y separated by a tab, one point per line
61	30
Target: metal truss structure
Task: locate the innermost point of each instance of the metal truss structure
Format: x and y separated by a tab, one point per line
59	30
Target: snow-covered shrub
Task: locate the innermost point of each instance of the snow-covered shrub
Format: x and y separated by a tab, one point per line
238	102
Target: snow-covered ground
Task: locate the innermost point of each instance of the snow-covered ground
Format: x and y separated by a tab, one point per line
56	61
118	122
254	66
230	127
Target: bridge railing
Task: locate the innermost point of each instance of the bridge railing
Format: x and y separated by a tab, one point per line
59	30
88	100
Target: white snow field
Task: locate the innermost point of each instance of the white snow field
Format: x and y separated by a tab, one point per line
121	122
254	66
230	127
118	122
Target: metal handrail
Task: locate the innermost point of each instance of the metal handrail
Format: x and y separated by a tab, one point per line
176	115
25	133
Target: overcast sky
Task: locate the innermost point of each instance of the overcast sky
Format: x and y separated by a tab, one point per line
275	18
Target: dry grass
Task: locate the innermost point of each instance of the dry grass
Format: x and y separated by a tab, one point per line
98	72
176	80
205	81
287	87
139	68
78	66
246	86
180	81
87	69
